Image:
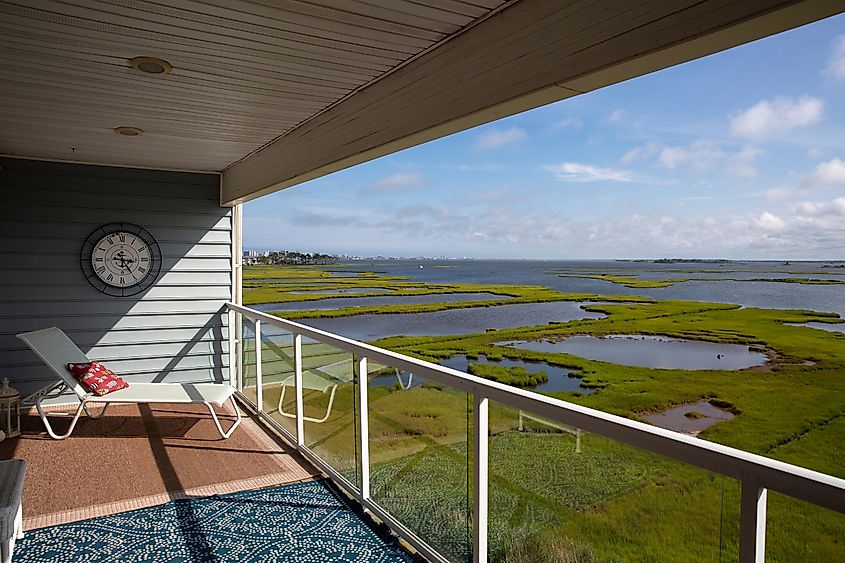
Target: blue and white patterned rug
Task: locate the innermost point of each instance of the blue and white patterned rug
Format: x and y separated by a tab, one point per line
307	522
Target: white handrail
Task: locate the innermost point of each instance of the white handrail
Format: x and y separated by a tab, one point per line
811	486
750	469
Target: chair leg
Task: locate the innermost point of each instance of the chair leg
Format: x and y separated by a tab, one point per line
49	428
308	418
102	412
281	400
401	384
217	420
328	410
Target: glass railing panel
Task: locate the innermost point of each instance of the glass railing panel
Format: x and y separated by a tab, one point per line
246	372
801	531
559	494
277	372
418	458
330	406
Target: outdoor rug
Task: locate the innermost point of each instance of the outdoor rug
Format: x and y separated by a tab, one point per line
308	522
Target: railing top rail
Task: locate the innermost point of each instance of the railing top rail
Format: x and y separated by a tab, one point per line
805	484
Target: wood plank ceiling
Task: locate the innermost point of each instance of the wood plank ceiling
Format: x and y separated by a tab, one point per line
244	72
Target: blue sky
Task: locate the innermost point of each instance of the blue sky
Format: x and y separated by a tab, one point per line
737	155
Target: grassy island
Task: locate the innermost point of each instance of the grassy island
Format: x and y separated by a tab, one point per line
637	283
516	376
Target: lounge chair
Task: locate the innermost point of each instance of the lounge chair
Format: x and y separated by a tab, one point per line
320	379
57	350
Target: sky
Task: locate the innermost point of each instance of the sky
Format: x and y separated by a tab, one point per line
738	155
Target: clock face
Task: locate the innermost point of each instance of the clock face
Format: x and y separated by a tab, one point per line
121	259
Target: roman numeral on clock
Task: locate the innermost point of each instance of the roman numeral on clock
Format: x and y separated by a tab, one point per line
117	257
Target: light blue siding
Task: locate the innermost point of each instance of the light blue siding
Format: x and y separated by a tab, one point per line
172	332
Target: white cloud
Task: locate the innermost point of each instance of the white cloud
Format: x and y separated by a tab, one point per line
780	115
830	173
816	153
568	123
509	226
575	172
642	152
615	116
399	181
489	167
780	193
702	154
836	65
670	157
742	163
498	138
835	208
769	222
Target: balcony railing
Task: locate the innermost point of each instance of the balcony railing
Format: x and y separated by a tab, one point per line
434	465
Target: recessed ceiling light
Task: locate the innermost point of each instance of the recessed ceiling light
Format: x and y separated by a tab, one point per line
151	65
128	131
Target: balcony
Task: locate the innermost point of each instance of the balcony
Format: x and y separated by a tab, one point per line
456	467
159	484
383	453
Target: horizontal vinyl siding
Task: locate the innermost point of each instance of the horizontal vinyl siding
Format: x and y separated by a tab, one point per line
175	331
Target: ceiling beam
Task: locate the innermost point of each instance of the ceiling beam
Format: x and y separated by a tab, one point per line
532	53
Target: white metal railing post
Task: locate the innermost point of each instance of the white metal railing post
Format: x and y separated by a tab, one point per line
479	473
239	351
259	380
752	521
364	435
297	384
233	372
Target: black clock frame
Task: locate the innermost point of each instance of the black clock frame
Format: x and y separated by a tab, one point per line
113	291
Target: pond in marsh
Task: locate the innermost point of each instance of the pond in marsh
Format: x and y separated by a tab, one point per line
343	290
560	378
651	351
830	327
689	418
453	321
341	302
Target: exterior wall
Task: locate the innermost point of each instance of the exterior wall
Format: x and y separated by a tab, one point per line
172	332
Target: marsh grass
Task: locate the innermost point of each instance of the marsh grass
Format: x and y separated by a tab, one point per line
517	376
610	502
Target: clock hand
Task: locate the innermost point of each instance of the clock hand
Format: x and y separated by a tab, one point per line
121	257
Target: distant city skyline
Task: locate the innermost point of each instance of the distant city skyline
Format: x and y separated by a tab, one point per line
740	155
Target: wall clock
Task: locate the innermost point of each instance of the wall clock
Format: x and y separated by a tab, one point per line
120	259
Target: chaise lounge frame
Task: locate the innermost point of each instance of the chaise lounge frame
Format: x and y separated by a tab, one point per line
57	350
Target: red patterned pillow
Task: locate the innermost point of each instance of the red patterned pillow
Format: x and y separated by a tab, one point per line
97	378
